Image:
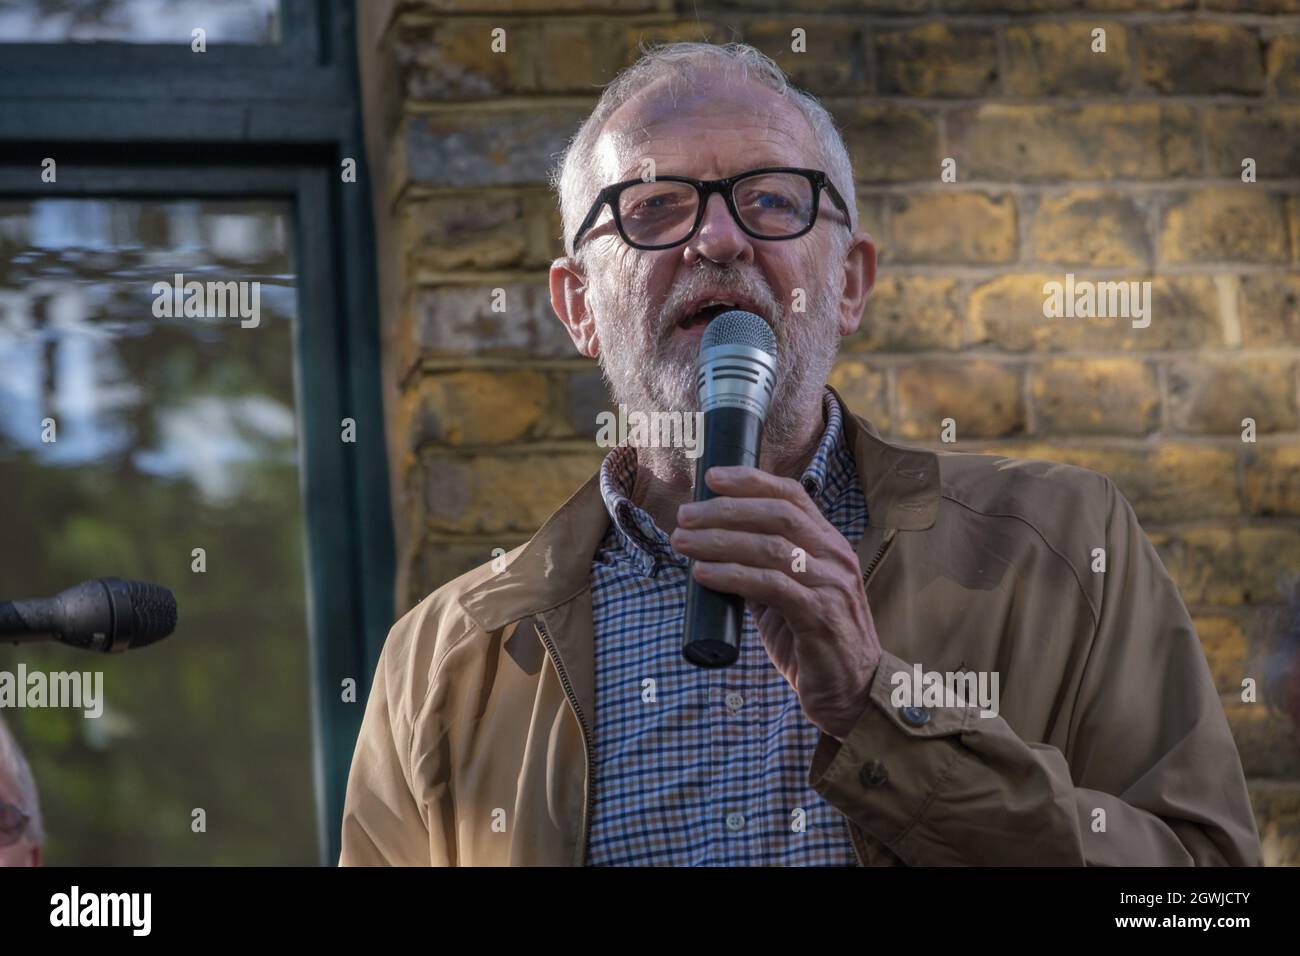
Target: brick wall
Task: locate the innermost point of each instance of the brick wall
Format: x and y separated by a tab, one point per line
1122	165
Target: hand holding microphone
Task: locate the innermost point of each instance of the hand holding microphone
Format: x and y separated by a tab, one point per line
736	376
741	532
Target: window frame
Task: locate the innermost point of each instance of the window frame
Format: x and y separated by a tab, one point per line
259	122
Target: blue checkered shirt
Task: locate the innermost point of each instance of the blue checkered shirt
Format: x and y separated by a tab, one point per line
714	770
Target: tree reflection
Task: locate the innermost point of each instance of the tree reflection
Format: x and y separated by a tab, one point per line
172	435
139	21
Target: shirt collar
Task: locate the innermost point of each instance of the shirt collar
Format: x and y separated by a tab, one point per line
648	544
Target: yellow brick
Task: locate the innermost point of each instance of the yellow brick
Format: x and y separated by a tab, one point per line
1265	736
890	143
1239	223
566	56
1284	64
438	561
1091	228
1007	312
648	35
492	494
1218	565
1095	396
1268	309
1200	58
863	389
1226	650
910	313
1293	217
1057	59
1015	142
984	398
474	408
454	60
827	64
937	60
952	226
1277	815
469	231
1213	396
1268	133
1273	478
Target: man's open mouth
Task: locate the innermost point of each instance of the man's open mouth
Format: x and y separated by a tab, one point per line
703	314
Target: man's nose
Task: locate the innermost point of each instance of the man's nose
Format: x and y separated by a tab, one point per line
720	237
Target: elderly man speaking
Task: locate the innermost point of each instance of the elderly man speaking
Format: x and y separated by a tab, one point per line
542	713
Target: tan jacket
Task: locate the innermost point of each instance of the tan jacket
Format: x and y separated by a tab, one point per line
475	746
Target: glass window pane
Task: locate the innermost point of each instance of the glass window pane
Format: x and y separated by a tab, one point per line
172	433
139	21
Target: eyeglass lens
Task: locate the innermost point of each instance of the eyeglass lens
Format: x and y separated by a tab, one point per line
769	205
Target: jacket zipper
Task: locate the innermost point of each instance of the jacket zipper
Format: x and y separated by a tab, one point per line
866	579
880	553
582	725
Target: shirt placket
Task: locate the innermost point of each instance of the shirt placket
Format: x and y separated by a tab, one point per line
731	809
737	736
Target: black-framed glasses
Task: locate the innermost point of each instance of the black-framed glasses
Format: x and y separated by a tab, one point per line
774	202
13	823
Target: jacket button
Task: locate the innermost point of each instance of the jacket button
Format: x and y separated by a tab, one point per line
916	716
873	773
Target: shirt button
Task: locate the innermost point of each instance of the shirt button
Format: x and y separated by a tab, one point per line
734	702
916	716
873	773
735	821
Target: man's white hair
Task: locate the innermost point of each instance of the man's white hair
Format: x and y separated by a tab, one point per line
574	177
14	766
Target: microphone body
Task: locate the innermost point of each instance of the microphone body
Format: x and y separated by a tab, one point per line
735	375
107	614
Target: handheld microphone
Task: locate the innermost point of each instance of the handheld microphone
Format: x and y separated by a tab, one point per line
735	375
107	614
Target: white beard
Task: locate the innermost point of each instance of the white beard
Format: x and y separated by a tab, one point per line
646	370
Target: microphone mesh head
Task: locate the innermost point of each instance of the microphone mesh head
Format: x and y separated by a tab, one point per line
739	327
155	611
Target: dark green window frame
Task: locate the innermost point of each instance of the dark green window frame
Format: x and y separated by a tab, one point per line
275	122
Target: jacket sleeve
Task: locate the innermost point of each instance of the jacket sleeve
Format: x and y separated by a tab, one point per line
1151	776
384	814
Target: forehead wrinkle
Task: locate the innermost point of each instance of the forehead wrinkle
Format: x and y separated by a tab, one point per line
770	145
670	97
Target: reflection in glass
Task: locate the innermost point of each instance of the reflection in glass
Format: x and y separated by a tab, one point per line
171	434
139	21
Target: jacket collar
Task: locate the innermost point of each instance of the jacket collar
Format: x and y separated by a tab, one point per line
901	487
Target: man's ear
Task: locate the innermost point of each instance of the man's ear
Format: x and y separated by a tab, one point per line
859	278
569	300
